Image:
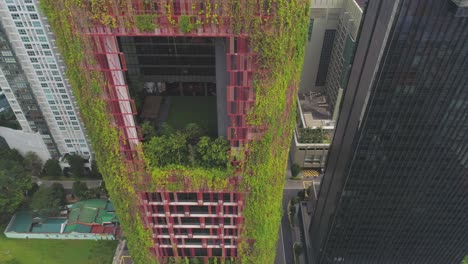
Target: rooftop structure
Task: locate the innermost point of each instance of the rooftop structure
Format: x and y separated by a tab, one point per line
90	219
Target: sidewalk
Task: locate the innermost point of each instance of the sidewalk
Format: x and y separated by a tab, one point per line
67	184
118	252
296	233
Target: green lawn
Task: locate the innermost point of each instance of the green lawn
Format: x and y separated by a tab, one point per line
39	251
193	109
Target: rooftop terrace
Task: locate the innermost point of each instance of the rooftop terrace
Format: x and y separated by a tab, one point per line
315	110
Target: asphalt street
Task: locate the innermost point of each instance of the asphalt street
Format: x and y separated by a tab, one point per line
67	185
284	251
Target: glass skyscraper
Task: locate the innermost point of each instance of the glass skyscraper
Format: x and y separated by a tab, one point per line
395	188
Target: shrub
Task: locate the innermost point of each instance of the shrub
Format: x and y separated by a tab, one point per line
34	188
301	194
295	200
186	147
79	189
309	135
166	130
193	132
94	173
295	169
292	208
145	23
185	25
309	191
298	249
148	131
52	168
212	153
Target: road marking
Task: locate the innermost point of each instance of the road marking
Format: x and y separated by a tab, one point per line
306	184
282	242
122	259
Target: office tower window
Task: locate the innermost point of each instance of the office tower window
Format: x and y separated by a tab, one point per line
395	185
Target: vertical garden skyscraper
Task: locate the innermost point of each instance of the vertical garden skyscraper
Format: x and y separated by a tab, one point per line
228	70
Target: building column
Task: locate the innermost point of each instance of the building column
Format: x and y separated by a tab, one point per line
221	87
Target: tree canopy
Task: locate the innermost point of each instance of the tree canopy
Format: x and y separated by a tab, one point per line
148	130
15	181
213	153
33	163
47	200
94	173
76	165
79	189
187	147
52	168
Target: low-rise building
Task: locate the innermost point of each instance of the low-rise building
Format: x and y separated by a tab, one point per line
330	51
313	132
91	219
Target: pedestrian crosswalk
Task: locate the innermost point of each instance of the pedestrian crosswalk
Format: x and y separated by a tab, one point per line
310	173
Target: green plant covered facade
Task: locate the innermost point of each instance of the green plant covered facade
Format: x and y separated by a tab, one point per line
277	35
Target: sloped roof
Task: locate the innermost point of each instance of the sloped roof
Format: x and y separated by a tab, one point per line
79	228
84	214
106	217
92	203
91	211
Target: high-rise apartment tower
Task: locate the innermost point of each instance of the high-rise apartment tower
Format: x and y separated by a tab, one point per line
395	188
33	80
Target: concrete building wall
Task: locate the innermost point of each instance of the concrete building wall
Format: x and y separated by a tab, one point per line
309	155
324	16
25	141
221	87
60	236
342	54
13	102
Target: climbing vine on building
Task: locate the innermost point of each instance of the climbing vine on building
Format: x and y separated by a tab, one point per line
87	88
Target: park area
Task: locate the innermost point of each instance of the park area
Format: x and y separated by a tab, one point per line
42	251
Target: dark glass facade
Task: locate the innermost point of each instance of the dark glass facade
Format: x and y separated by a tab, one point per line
399	193
170	59
325	56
